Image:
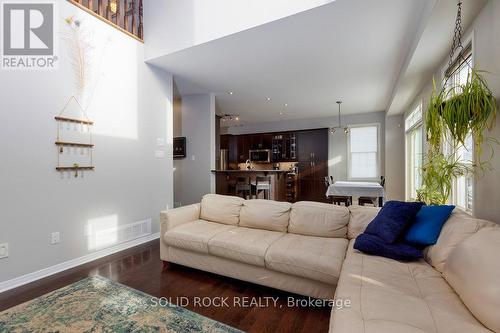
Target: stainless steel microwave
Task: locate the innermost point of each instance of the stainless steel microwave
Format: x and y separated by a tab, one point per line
260	155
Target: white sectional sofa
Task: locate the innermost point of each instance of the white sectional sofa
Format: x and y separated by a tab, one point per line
307	248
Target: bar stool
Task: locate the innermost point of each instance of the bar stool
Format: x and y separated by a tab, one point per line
263	184
243	187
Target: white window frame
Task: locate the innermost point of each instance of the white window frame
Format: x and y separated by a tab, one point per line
417	126
455	187
454	195
378	171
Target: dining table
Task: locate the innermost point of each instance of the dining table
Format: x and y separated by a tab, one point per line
357	189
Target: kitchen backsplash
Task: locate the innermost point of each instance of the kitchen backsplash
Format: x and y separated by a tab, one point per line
268	166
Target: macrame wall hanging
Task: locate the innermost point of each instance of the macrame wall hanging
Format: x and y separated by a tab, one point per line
74	140
74	128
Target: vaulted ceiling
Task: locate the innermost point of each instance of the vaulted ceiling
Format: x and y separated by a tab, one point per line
358	51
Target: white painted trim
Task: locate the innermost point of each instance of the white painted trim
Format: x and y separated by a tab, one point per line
31	277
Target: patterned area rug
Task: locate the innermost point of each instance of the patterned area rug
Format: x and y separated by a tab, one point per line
97	304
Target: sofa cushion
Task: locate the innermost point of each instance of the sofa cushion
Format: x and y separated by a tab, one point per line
221	208
194	235
428	224
318	219
243	244
265	214
316	258
458	227
387	296
360	217
373	245
473	270
393	219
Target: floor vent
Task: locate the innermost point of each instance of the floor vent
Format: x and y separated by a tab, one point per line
101	236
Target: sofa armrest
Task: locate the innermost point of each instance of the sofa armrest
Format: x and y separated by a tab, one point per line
172	218
177	216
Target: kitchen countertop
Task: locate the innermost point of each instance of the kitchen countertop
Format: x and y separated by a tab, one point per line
275	171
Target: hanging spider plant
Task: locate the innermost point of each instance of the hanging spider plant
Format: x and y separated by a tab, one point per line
454	113
439	172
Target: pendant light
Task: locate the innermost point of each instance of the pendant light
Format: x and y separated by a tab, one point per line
334	129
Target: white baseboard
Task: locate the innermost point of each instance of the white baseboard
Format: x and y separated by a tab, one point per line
30	277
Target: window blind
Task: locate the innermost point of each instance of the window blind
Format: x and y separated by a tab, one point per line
363	144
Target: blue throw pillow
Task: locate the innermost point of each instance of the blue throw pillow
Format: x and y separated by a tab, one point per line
374	245
428	224
393	219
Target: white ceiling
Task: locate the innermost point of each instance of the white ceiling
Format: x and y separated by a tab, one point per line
432	49
353	50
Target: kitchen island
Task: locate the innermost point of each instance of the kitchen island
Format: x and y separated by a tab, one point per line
225	181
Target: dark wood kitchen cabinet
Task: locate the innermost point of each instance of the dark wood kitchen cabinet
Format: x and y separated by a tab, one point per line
307	148
312	164
244	143
260	141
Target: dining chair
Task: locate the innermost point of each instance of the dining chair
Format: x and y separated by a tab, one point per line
362	201
337	199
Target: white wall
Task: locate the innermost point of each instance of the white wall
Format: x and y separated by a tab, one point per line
177	130
198	126
486	53
337	145
132	107
173	25
486	29
394	157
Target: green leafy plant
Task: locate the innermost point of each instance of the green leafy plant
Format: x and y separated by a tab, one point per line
453	114
439	172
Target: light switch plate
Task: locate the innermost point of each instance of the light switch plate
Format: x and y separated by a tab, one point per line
55	238
4	250
160	142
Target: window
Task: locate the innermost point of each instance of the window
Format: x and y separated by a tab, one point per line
414	152
463	187
363	152
459	71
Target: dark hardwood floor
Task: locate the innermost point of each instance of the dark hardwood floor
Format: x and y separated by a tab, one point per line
141	268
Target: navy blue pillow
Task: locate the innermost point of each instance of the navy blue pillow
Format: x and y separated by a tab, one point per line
428	224
374	245
393	219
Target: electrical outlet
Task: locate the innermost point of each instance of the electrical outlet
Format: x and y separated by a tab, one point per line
55	238
4	250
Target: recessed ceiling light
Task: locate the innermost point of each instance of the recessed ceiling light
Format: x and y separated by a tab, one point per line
286	104
231	93
268	99
281	113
